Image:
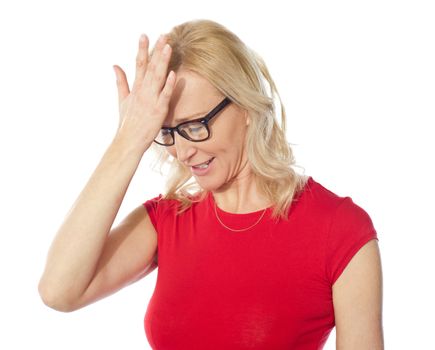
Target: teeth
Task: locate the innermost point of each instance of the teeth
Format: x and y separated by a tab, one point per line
203	165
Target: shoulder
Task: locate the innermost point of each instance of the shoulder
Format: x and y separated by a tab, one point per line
329	201
320	200
174	202
348	228
160	203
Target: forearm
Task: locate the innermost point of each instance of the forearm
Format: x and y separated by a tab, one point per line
75	251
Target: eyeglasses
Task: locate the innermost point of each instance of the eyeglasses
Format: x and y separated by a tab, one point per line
195	130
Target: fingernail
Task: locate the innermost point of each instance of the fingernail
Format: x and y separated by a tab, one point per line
142	38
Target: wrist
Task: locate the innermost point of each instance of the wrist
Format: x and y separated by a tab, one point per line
128	147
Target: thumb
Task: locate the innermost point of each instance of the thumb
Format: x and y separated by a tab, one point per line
121	83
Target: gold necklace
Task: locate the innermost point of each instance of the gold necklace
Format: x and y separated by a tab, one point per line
231	229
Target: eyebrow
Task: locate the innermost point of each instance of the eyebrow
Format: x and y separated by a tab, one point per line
181	120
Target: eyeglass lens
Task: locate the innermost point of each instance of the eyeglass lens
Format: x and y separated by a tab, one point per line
193	131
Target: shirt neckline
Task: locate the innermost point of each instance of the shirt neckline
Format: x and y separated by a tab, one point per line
245	218
229	214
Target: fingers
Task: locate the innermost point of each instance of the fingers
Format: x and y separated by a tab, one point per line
121	82
141	68
141	61
165	96
151	72
155	75
159	76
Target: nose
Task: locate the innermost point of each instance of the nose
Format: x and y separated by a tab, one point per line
184	148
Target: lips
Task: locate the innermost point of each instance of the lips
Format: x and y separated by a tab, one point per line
207	162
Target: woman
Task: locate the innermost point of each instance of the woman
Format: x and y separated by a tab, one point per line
251	255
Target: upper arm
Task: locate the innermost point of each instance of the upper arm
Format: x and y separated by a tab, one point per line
129	254
357	298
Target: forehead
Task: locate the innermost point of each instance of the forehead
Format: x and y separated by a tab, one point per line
193	97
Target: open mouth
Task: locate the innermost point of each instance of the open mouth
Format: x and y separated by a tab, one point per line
203	165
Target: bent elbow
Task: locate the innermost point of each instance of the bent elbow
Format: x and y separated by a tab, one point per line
52	300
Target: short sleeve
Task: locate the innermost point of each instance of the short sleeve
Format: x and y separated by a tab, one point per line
152	207
351	228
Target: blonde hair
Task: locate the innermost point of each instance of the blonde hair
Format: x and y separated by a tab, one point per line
212	51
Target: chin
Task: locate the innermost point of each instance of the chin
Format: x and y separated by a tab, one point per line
208	185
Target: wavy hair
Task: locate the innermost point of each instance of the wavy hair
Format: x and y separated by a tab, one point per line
238	72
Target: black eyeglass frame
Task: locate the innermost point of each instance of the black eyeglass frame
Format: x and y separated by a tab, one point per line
204	120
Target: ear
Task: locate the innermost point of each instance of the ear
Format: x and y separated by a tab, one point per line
247	117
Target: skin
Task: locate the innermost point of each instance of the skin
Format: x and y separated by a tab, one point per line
86	262
357	293
230	180
357	299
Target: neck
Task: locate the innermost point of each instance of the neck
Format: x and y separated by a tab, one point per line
241	196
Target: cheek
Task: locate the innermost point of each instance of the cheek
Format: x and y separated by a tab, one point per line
171	151
235	136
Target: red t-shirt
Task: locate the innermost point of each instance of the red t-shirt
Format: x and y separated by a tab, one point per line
269	287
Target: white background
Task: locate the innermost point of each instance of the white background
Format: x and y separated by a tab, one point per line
358	83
